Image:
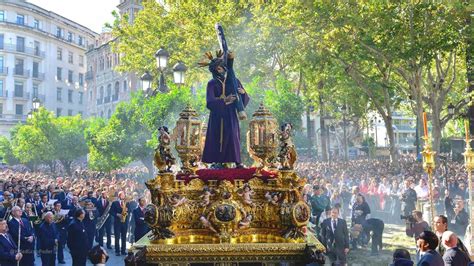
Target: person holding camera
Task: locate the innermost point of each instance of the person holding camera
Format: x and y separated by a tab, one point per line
415	224
457	216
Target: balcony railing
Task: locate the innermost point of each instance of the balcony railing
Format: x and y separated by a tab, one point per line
115	97
21	96
38	75
21	72
3	70
12	117
99	101
22	49
106	99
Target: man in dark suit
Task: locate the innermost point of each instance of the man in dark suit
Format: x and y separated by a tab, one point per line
427	243
141	228
27	236
42	207
118	208
335	237
90	196
375	226
453	256
48	237
61	226
8	250
77	239
102	204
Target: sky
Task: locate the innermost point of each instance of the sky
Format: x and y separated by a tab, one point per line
90	13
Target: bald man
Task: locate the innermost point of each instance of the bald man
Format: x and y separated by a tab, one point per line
453	255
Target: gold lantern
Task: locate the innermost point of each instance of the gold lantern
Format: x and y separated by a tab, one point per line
262	137
189	139
428	157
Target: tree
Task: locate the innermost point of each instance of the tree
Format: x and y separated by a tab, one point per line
31	146
6	152
69	142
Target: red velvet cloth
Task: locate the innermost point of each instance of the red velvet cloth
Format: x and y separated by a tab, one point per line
227	174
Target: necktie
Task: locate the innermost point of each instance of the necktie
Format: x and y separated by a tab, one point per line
21	222
334	224
103	202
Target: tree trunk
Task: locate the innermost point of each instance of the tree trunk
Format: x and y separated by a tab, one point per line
67	166
322	130
391	138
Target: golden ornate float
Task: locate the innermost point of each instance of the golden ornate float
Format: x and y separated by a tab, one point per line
229	216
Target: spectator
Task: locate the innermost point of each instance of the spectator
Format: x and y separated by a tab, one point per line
427	243
98	256
453	256
401	257
416	227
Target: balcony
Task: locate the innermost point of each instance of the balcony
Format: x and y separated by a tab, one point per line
115	97
38	75
99	101
3	71
89	75
34	51
106	99
21	72
21	96
12	117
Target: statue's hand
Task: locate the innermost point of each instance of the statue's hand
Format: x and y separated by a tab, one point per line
230	99
230	55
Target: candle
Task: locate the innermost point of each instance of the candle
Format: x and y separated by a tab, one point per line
425	125
466	129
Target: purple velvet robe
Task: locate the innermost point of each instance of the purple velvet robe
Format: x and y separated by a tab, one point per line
222	143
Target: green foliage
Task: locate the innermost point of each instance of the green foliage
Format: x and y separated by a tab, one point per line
6	152
31	146
285	105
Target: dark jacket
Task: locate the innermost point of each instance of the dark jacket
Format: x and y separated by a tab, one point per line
360	218
402	262
141	228
456	222
7	251
431	258
454	257
47	236
337	240
117	209
77	240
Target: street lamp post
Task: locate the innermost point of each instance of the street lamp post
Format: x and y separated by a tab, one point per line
162	57
36	103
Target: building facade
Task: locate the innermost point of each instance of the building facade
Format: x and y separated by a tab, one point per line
107	87
42	54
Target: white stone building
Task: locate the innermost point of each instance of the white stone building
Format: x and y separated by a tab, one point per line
107	87
42	54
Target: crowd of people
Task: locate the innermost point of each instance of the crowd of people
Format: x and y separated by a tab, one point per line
42	215
369	193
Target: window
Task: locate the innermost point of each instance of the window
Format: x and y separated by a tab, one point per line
1	108
59	92
37	48
20	19
80	40
109	61
90	95
81	97
20	44
19	109
69	96
1	41
18	89
81	60
1	88
19	67
1	64
81	79
35	69
70	58
59	54
116	91
69	76
2	15
69	112
58	112
101	63
35	90
124	85
36	24
59	32
59	73
70	36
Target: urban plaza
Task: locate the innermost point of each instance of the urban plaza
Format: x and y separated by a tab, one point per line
236	133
